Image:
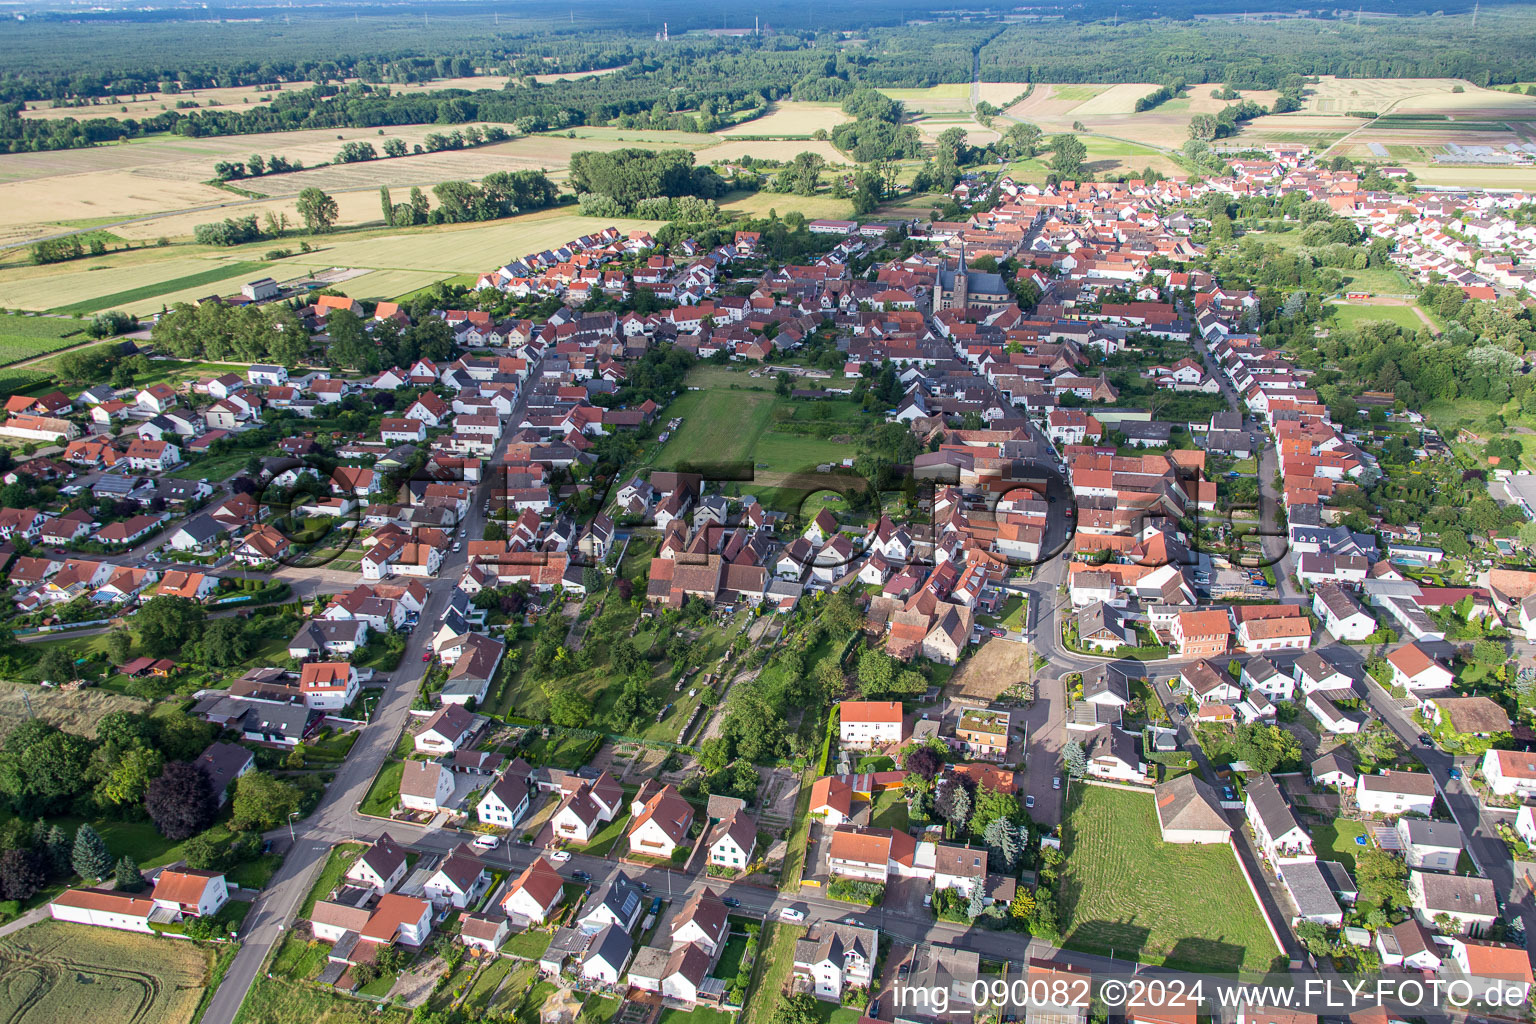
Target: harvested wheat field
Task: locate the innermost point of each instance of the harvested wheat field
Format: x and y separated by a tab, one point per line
791	119
1117	99
1000	94
76	712
56	973
1471	105
1332	95
951	96
354	209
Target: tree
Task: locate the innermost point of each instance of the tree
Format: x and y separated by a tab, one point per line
56	849
385	204
922	760
1266	748
20	875
130	775
954	805
1076	759
128	876
1023	906
877	672
567	706
119	646
1067	155
90	858
224	642
57	665
796	1009
976	907
169	624
181	802
1004	842
262	802
42	767
318	209
1382	879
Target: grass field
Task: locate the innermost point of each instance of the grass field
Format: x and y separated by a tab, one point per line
62	974
775	959
1346	315
722	426
1124	890
1336	841
76	712
791	120
279	1001
22	337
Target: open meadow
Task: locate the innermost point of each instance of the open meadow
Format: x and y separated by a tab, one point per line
1126	893
55	973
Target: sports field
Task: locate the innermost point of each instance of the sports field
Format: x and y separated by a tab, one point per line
57	973
1349	315
1126	893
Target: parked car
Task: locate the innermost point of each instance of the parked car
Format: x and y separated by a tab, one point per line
791	914
1455	773
426	655
999	632
560	856
731	901
1056	782
581	876
1029	801
1425	740
486	842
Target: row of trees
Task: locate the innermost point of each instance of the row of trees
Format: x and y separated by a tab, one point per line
628	176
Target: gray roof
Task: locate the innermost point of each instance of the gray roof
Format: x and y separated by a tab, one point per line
1445	835
1458	895
1269	804
1261	669
611	945
1310	890
1189	803
1338	876
1336	760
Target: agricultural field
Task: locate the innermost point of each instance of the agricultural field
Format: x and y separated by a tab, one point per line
1124	890
61	973
116	281
151	104
949	96
1111	110
1331	95
388	284
22	337
772	149
789	119
1105	156
758	204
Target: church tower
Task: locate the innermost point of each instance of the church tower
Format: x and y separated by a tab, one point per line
962	288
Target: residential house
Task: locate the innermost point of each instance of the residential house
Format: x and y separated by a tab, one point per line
380	867
1430	845
1510	772
425	786
446	730
1189	811
1279	834
863	724
458	880
534	894
662	819
1467	903
1396	792
834	958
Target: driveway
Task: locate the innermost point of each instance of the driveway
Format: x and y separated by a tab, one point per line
1045	722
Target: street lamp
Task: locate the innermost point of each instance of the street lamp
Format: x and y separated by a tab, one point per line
291	816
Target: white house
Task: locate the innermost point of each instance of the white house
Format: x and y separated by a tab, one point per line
190	893
1430	845
1417	672
381	866
1510	772
863	724
836	957
507	799
535	893
446	730
263	374
459	878
1279	835
1341	614
425	786
1470	902
1396	793
732	842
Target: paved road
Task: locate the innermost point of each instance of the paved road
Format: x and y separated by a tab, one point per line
336	817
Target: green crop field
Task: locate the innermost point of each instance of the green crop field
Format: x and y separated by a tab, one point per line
59	973
22	337
1126	892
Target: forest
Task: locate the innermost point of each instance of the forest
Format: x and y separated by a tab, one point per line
695	82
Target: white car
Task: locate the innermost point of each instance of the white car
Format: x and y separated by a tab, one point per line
791	914
560	856
487	842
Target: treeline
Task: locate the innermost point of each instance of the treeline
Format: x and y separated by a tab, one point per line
1258	54
629	176
876	133
70	247
229	231
257	166
1162	94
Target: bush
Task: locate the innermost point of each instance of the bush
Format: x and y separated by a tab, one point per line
868	893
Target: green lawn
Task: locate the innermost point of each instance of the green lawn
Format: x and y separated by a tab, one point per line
1336	841
385	791
889	811
1346	315
336	865
530	944
599	1008
697	1015
775	959
1124	892
298	958
730	957
279	1001
605	838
